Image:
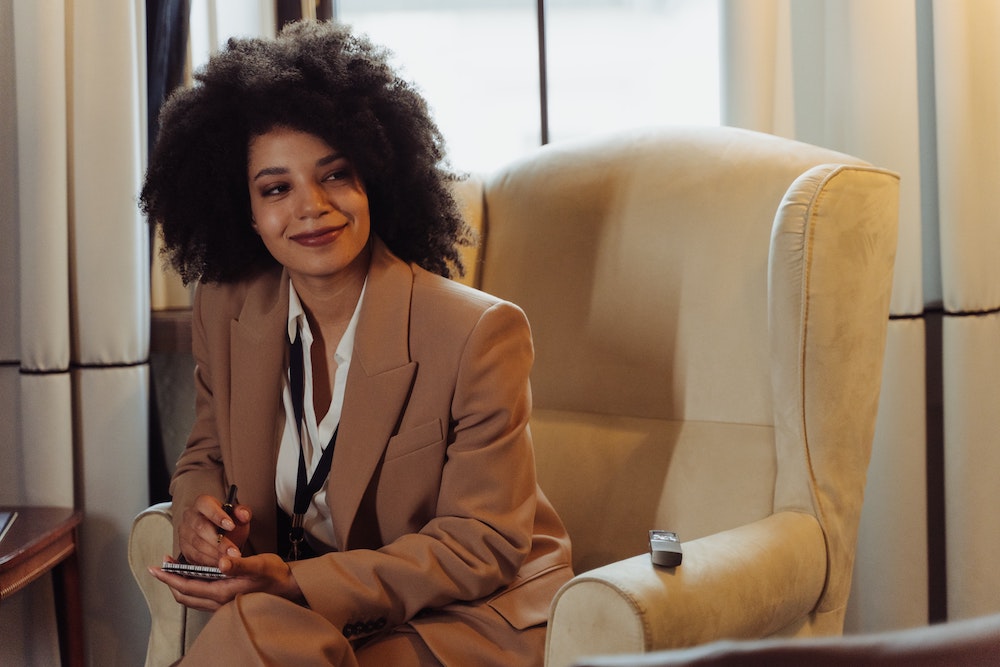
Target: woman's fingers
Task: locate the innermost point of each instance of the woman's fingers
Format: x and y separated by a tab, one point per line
199	533
266	573
211	509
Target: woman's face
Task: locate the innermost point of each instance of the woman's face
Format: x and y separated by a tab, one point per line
309	205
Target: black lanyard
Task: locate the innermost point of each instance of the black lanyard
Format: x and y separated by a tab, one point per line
305	488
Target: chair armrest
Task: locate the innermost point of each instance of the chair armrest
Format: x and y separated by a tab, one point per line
744	583
172	626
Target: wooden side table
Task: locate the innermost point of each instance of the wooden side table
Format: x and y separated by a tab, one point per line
43	539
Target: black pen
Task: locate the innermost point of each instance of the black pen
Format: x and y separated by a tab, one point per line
227	507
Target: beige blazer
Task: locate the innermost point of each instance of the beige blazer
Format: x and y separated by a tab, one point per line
436	511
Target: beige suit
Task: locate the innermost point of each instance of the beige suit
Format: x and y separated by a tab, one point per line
438	519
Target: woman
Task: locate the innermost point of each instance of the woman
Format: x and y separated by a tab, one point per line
300	182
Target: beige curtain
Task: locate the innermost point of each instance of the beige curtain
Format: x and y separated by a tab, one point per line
74	286
913	86
967	80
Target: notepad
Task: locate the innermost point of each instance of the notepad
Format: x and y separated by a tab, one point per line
195	571
6	520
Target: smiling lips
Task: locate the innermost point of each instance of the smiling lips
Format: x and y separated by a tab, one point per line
318	237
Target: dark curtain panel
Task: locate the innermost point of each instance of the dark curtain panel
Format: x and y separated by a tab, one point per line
287	11
166	53
291	10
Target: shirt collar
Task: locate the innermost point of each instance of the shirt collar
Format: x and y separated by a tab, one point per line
295	313
297	322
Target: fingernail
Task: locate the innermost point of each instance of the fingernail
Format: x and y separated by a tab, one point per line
228	524
233	551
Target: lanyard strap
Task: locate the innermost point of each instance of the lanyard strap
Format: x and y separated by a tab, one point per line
305	487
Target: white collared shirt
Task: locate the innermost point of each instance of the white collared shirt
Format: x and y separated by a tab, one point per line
317	522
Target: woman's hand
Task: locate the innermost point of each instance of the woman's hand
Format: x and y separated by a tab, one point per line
199	537
265	573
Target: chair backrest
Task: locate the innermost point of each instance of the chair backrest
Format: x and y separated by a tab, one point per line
667	275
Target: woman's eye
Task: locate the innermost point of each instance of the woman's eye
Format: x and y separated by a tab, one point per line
274	190
339	175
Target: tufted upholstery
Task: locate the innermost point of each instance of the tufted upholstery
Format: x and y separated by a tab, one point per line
709	310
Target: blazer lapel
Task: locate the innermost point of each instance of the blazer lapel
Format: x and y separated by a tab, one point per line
257	363
378	385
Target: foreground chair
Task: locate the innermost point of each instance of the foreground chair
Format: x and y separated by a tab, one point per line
967	642
709	308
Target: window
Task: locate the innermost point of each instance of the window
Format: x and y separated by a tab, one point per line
630	63
212	22
610	65
476	63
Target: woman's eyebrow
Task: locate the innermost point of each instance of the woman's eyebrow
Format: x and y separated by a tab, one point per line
270	171
332	157
280	171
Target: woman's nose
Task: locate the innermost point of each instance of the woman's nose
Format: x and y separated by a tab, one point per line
313	202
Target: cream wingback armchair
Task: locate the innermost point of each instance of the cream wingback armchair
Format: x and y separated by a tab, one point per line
709	310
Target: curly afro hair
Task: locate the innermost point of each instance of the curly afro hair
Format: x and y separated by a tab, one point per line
315	77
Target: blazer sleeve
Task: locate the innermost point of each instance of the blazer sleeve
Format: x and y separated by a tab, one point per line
481	530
